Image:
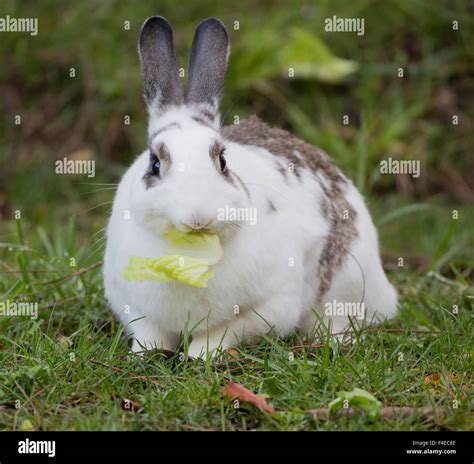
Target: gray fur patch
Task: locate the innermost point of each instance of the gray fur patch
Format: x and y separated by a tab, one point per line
299	154
203	122
342	231
242	184
271	206
302	156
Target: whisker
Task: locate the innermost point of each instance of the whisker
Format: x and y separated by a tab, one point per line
233	225
99	190
94	248
99	231
94	207
228	111
94	183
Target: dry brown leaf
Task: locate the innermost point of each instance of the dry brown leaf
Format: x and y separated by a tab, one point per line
454	378
233	353
433	379
81	154
129	405
237	391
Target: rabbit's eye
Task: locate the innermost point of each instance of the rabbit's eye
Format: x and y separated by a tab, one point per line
222	162
155	165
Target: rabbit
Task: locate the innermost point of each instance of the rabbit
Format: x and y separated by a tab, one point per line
309	255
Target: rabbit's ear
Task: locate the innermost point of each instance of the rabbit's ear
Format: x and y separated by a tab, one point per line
160	69
207	64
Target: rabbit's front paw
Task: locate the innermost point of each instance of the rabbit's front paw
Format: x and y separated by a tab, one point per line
202	345
147	336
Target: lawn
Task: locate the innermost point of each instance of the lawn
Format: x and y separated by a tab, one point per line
71	369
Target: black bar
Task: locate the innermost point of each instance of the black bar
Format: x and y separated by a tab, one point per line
233	444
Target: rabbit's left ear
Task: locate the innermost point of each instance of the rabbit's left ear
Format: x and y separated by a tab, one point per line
207	65
159	64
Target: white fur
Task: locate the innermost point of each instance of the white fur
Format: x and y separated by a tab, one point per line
256	273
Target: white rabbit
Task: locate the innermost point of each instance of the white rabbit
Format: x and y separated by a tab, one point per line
311	249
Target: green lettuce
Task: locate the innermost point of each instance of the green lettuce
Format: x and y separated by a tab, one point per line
187	259
357	398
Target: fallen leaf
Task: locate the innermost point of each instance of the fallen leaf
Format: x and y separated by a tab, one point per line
237	391
233	354
311	58
65	342
433	379
358	398
81	154
27	426
129	405
454	378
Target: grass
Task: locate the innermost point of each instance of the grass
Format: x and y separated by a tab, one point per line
71	369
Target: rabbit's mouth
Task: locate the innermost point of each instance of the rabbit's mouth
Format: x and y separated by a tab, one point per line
158	224
224	230
196	226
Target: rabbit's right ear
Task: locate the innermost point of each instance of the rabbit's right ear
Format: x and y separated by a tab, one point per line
160	69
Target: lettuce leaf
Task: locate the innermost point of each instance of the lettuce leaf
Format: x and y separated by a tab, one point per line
357	398
194	244
187	259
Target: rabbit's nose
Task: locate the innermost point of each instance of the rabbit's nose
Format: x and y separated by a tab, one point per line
197	223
